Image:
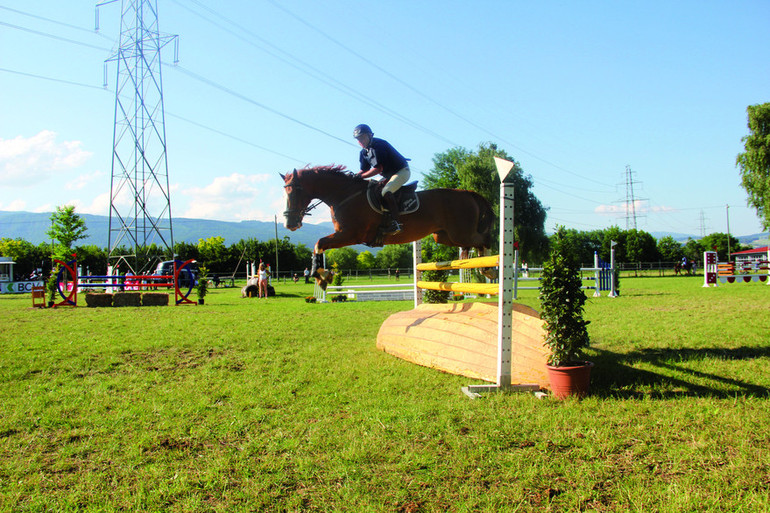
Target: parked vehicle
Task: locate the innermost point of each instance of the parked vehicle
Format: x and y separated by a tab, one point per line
166	268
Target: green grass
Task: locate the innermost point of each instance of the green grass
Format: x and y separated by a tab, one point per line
279	405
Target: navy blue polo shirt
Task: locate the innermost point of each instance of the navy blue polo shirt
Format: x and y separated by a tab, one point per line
381	152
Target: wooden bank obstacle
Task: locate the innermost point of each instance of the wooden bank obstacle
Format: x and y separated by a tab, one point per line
501	343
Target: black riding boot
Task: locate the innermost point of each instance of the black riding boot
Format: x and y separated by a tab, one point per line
322	277
390	201
318	263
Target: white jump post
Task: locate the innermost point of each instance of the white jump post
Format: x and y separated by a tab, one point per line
505	297
710	270
416	259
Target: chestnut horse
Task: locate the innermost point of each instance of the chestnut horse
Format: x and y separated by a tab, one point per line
454	217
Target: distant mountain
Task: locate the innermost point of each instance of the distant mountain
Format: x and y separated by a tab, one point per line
679	237
32	227
754	240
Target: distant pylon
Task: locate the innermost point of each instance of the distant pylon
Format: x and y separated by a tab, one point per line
630	200
140	200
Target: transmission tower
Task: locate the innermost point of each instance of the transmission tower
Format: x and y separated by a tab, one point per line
140	201
630	199
702	224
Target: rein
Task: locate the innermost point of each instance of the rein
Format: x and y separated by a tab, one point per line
306	211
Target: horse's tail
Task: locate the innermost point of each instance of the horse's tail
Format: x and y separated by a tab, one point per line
486	220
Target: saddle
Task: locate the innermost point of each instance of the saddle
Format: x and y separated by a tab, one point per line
406	197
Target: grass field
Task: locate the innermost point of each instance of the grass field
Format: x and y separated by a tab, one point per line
280	405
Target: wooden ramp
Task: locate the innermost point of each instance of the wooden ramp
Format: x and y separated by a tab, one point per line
461	338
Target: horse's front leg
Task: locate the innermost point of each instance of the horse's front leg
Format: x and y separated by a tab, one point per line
322	276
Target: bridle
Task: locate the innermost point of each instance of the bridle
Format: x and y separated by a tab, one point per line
298	188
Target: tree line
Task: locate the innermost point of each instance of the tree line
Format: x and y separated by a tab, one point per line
219	258
456	168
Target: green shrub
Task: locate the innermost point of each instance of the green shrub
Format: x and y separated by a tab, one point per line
562	303
435	296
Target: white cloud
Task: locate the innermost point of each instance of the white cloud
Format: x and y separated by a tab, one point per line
14	205
42	209
83	180
28	161
100	205
639	207
236	197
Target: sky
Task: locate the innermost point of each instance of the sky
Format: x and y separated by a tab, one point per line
598	101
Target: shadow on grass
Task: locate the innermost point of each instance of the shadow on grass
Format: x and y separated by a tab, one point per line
617	374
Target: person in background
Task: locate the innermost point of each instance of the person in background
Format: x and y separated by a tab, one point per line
262	280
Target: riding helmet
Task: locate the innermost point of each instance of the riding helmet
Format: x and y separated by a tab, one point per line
361	130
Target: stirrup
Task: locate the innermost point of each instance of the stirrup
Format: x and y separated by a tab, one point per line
393	229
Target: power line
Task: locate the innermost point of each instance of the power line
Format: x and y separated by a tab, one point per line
235	138
49	20
52	36
51	79
246	99
424	95
307	68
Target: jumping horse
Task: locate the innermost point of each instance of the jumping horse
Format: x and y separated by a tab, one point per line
455	217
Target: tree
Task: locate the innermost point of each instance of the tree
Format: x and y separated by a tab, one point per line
345	258
185	251
718	242
92	259
394	255
670	250
365	260
212	252
27	256
476	171
614	233
579	246
66	228
641	246
754	163
693	250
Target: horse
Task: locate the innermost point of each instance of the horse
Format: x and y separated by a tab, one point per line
455	217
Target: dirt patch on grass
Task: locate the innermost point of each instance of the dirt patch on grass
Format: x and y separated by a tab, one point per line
163	359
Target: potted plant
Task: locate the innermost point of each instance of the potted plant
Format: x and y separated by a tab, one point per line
562	302
202	287
50	286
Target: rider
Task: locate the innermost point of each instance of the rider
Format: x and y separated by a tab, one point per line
378	157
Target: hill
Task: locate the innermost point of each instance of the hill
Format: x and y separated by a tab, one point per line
32	227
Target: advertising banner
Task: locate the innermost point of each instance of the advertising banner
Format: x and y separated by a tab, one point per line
18	287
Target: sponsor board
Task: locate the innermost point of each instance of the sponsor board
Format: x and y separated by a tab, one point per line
18	287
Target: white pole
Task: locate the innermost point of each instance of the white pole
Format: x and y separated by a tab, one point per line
506	273
515	274
416	259
597	277
613	292
505	295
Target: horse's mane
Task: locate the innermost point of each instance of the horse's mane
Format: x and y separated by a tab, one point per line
330	169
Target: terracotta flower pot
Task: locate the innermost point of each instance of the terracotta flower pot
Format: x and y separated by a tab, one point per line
572	381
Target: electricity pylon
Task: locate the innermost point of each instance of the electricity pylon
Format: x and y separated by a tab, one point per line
140	200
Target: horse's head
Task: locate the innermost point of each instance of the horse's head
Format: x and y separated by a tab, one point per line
297	201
